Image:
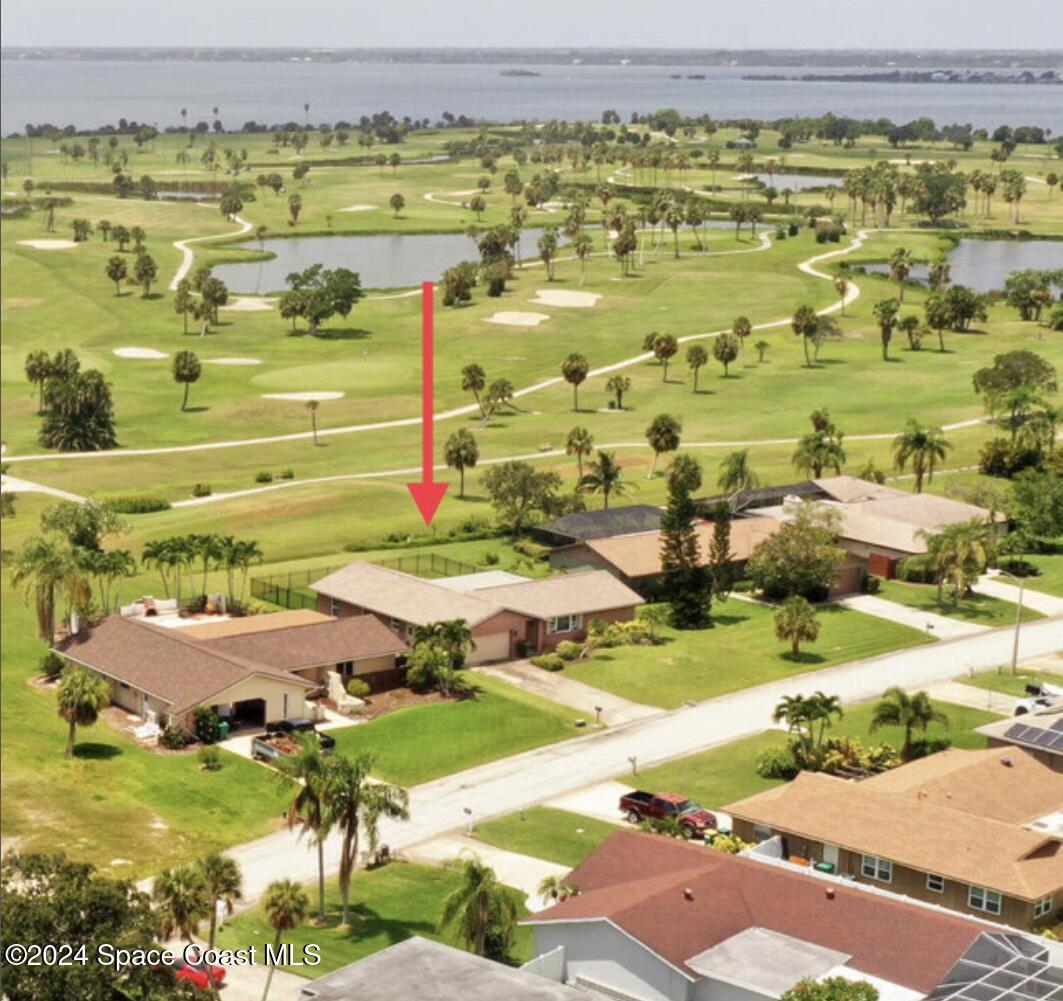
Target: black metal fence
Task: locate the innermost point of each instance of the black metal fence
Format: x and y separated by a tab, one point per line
291	589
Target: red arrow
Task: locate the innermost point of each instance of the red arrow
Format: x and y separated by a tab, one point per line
427	494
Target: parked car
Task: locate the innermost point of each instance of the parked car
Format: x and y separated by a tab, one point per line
300	724
693	819
1040	696
203	976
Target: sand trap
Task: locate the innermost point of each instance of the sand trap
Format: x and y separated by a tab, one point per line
147	353
517	319
913	162
22	303
560	297
744	177
323	395
48	244
233	361
249	305
357	208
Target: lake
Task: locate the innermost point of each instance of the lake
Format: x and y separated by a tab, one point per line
984	264
385	261
798	182
92	93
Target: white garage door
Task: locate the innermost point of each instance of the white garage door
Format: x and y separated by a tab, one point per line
493	646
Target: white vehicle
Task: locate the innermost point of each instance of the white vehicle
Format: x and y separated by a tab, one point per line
1040	697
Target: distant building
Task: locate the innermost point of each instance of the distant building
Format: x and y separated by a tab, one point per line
979	832
580	526
1038	733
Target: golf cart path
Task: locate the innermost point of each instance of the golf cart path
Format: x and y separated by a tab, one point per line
188	255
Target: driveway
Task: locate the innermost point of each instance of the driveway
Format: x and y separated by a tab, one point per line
940	626
554	685
973	697
546	773
246	983
996	586
513	869
602	801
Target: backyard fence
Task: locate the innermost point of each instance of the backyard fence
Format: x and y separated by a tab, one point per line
291	589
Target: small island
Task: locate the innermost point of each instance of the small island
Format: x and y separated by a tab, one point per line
519	73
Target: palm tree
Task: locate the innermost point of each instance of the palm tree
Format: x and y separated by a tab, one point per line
306	766
44	568
663	436
958	554
186	370
181	900
885	311
923	447
795	711
574	369
818	450
311	409
344	784
461	452
697	356
479	905
580	443
913	712
82	696
735	473
900	267
224	884
805	324
841	286
795	623
286	906
822	709
473	380
38	369
742	329
604	476
556	889
618	385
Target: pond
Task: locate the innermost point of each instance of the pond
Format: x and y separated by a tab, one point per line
384	261
798	182
984	264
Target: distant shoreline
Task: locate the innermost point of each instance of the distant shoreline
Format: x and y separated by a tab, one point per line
1025	77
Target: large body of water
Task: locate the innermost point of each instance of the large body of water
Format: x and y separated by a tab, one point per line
89	94
984	264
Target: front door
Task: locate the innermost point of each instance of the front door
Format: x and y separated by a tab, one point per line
830	854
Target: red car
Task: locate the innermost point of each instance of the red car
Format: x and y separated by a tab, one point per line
693	819
200	974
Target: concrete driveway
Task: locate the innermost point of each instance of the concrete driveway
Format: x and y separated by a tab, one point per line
939	626
602	801
973	697
557	687
997	586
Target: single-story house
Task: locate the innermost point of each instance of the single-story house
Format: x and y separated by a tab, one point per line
252	670
665	920
636	559
430	971
507	619
579	526
1039	733
979	832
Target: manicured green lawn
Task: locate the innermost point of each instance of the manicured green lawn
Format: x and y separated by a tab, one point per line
978	608
419	744
1050	563
740	651
392	904
543	832
1013	684
727	773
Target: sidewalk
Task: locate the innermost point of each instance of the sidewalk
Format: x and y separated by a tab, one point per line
994	586
554	685
939	626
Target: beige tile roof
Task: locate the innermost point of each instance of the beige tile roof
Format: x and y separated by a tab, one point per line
245	624
913	831
850	489
566	594
640	555
180	671
402	596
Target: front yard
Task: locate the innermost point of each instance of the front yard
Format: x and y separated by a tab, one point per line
422	743
738	652
1050	563
546	833
727	773
1014	684
390	904
978	608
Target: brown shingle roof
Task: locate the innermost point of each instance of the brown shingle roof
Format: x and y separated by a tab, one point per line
912	830
355	637
640	555
639	883
177	669
566	594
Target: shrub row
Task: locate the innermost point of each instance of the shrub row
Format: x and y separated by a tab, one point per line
136	503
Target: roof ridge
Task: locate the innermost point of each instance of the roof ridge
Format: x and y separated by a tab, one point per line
203	645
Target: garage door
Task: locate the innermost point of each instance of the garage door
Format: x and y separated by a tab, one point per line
493	646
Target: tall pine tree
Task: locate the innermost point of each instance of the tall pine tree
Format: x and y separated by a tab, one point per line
686	585
720	556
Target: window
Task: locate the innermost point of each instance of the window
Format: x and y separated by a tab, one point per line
936	884
398	626
565	624
1043	907
761	833
333	607
877	868
981	899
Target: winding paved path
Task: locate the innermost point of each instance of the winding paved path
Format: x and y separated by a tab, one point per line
188	255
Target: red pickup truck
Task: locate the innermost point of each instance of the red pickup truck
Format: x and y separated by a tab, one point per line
693	819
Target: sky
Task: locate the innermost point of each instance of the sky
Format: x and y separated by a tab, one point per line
492	23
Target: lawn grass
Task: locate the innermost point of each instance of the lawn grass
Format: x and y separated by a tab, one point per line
740	651
1013	684
546	833
422	743
391	904
978	608
1049	563
727	773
